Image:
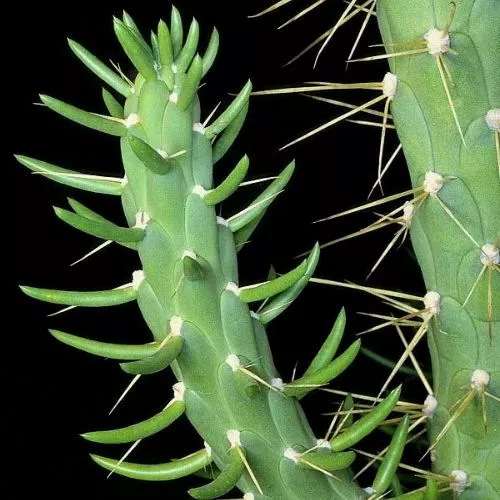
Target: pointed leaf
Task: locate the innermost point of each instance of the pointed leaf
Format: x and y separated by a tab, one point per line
229	185
141	58
260	204
160	472
299	388
225	481
176	31
105	349
392	457
191	84
365	425
160	360
226	139
273	287
141	430
104	230
211	52
71	177
84	299
189	50
330	346
326	460
281	302
230	113
115	109
153	160
100	69
106	124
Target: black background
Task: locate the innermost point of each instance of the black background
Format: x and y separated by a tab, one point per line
54	392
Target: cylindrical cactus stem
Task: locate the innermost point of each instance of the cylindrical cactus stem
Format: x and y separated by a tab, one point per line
188	291
445	110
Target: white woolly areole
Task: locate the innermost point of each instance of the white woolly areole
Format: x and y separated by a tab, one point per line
459	480
430	406
248	496
389	85
408	212
438	41
323	443
190	253
432	455
369	490
233	287
480	380
198	127
208	448
222	221
278	383
179	390
234	437
162	153
174	68
141	220
124	181
199	190
292	455
493	119
433	182
432	302
174	97
490	254
176	323
234	362
137	279
254	315
131	120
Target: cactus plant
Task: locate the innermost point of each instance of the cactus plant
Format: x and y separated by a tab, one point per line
255	434
187	289
443	97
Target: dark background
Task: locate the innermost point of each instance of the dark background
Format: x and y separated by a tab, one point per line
54	392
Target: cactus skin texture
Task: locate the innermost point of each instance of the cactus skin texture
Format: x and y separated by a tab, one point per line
463	339
187	289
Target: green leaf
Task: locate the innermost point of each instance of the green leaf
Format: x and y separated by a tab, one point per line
105	349
189	50
141	430
153	160
160	360
330	346
262	291
281	302
160	472
115	109
100	69
104	230
365	425
191	84
225	481
211	52
307	383
257	208
229	185
72	178
141	58
230	113
106	124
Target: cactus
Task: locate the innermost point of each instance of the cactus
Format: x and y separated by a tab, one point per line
256	435
443	96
